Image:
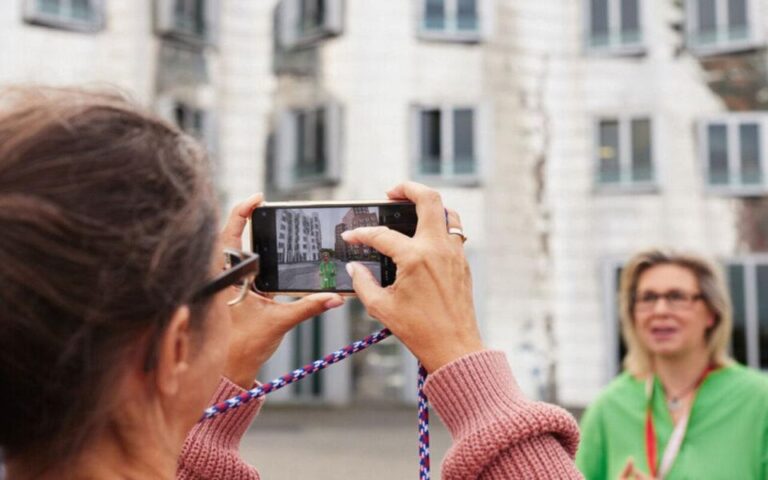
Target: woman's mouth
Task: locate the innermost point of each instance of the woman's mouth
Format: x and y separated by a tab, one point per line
662	333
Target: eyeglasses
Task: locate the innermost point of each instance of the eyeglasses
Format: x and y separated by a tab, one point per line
240	271
676	299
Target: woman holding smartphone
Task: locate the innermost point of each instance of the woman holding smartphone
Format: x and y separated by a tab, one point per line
123	314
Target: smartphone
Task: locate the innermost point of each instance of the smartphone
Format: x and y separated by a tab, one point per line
301	249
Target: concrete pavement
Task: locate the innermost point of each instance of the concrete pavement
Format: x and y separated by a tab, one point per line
370	442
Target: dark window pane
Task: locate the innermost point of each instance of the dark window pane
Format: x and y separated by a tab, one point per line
311	13
431	152
630	21
642	167
707	21
434	14
310	150
609	170
762	313
738	27
81	9
467	15
599	33
718	154
736	288
49	6
320	159
463	141
622	350
749	137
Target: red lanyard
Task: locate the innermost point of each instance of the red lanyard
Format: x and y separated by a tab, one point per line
676	439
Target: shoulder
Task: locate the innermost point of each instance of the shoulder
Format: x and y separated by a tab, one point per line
621	392
746	379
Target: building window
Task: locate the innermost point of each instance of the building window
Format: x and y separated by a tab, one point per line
450	19
78	15
304	22
624	152
714	26
614	26
307	147
190	21
446	142
733	148
748	285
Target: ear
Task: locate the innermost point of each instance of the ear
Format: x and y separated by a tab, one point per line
173	352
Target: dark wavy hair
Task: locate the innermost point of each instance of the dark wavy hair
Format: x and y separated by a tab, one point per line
107	225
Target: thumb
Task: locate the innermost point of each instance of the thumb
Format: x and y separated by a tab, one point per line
308	307
367	288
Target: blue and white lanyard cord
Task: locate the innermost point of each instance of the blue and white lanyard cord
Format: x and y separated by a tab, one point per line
321	364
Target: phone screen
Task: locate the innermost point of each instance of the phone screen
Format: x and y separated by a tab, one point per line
302	251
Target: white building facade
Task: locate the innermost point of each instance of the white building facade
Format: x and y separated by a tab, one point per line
567	134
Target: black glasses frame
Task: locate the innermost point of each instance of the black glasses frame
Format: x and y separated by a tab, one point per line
248	266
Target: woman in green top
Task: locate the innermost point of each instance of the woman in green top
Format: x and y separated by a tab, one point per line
682	409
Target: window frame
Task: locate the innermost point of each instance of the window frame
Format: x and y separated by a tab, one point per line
625	183
285	177
165	24
614	46
451	32
722	45
34	16
732	122
289	31
446	143
752	321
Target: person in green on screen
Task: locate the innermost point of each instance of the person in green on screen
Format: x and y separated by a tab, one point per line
327	272
682	409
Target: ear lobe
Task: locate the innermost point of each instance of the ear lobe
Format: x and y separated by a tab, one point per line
173	352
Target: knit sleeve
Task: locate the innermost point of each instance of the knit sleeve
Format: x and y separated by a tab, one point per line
497	433
211	450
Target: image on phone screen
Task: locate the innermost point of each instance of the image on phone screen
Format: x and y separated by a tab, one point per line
311	255
302	250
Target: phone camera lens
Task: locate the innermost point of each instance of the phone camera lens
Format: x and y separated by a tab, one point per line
397	214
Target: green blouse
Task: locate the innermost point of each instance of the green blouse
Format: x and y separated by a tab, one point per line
727	436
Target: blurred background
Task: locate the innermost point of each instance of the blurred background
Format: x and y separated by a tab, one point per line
568	134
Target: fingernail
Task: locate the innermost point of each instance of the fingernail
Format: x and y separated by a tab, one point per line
334	302
351	269
345	234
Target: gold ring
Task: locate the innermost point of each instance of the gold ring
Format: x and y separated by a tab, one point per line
459	232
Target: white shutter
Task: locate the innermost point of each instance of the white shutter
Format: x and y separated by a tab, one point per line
164	108
211	132
285	150
333	139
415	140
288	19
212	21
164	16
333	21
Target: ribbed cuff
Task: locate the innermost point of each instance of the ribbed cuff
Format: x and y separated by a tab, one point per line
467	390
226	429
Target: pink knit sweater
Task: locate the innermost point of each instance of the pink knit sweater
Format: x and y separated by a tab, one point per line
497	433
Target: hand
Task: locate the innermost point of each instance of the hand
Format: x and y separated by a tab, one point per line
631	472
429	307
259	323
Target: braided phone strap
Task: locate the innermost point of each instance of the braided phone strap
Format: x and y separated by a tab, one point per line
321	364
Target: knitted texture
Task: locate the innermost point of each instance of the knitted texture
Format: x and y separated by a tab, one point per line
497	433
211	449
